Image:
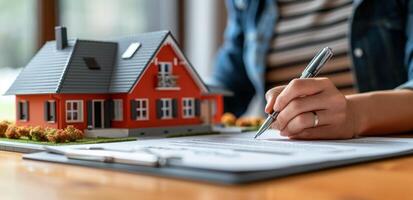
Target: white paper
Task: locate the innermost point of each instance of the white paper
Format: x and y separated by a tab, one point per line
240	152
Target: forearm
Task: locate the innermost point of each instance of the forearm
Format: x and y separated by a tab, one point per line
382	112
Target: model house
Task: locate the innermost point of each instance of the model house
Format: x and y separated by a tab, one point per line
136	85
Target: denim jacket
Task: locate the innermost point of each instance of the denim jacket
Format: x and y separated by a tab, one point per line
381	47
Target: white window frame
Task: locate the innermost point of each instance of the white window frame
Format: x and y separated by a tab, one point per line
79	111
162	71
140	109
166	108
188	107
117	110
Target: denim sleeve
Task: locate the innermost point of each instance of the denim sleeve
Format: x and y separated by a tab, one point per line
409	47
229	70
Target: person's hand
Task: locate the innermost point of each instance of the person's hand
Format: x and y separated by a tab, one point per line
304	100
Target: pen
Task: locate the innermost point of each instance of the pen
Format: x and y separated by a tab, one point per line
310	71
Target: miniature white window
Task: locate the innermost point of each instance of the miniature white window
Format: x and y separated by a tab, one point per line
74	111
166	108
142	109
165	68
117	110
188	107
131	50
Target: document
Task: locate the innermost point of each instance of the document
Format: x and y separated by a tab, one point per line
239	152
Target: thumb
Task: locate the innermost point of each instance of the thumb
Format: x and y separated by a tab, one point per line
271	96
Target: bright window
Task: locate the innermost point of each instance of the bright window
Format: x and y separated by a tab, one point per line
74	111
131	50
142	109
165	69
118	110
188	107
166	108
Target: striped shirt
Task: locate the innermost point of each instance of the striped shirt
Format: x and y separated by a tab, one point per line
303	28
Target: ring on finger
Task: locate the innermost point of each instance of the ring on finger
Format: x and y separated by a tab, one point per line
316	119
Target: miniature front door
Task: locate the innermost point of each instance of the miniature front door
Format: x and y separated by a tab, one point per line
98	114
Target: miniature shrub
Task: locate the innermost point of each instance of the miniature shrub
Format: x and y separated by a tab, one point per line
50	134
3	127
228	119
62	136
73	134
12	132
243	122
38	134
24	131
249	121
56	135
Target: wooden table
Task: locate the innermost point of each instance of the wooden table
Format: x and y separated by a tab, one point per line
24	179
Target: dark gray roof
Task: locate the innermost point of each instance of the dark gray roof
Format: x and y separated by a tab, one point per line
127	71
44	71
78	78
212	89
65	71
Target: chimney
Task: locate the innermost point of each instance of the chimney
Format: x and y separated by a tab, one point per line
61	37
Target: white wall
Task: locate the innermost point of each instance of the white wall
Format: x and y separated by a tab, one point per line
168	16
203	33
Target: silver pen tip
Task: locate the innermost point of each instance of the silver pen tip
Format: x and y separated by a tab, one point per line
271	118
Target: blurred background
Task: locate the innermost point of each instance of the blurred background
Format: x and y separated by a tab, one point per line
198	26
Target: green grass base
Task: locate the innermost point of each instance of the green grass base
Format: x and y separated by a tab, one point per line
82	141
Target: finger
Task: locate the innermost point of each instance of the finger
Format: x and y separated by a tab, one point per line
270	96
301	105
304	121
326	132
298	88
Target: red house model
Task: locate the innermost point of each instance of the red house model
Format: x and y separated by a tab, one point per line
131	86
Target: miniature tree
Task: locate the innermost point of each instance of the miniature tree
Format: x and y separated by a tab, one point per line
12	132
228	119
73	133
24	132
56	135
38	134
3	127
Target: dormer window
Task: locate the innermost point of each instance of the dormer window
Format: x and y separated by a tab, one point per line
165	78
165	69
131	50
91	63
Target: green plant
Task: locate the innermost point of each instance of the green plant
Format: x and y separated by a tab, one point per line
12	132
24	131
38	134
3	128
50	134
56	135
73	134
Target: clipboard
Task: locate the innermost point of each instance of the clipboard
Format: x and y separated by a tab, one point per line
210	176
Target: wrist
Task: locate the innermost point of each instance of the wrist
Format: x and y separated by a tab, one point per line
356	114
